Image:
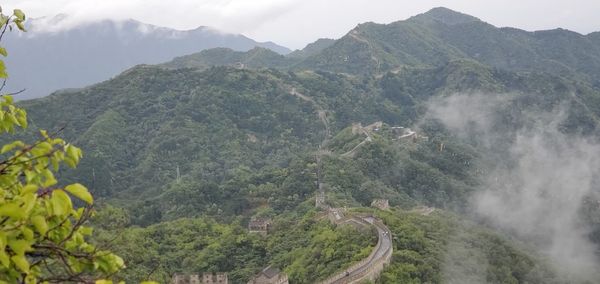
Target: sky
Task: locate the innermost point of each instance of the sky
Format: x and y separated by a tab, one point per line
295	23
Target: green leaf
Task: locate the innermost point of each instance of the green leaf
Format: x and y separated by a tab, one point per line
4	260
3	19
3	240
20	25
40	224
19	246
12	210
79	212
61	202
70	162
118	261
103	264
11	146
3	73
74	153
22	121
19	14
21	262
30	188
12	118
27	234
50	179
45	146
87	231
3	51
80	192
55	164
28	203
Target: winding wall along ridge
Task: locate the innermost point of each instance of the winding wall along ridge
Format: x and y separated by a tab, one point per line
370	267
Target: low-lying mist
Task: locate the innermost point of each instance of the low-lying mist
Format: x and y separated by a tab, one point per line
536	175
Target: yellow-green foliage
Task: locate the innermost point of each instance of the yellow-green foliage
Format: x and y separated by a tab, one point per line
42	232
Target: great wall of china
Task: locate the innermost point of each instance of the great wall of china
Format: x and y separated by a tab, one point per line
369	268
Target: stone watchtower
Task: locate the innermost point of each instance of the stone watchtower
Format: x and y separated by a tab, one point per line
260	225
207	278
270	275
215	278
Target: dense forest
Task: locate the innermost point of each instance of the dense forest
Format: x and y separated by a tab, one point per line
181	156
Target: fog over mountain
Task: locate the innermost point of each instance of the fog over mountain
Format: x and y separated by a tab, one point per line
537	185
44	60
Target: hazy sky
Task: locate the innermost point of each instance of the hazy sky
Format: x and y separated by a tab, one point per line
294	23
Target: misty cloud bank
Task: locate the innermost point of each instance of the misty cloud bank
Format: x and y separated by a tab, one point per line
536	179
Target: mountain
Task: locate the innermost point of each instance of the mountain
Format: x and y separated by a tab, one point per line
257	57
312	48
441	35
181	155
44	60
222	144
150	127
434	38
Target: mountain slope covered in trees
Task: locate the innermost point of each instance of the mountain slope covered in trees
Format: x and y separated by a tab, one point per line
230	143
435	38
193	148
442	35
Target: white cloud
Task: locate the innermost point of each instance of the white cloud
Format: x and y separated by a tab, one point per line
228	15
535	179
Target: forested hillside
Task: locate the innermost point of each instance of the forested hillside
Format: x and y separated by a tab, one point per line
442	35
431	39
223	123
430	113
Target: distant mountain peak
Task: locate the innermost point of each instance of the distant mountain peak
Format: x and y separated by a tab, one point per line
312	48
447	16
109	45
66	23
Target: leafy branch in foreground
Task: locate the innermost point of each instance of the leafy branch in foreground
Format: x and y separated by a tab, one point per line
42	232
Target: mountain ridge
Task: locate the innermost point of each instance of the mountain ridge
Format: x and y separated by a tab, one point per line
440	36
48	61
195	148
446	16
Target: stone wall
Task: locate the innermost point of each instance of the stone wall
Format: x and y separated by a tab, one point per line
375	266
